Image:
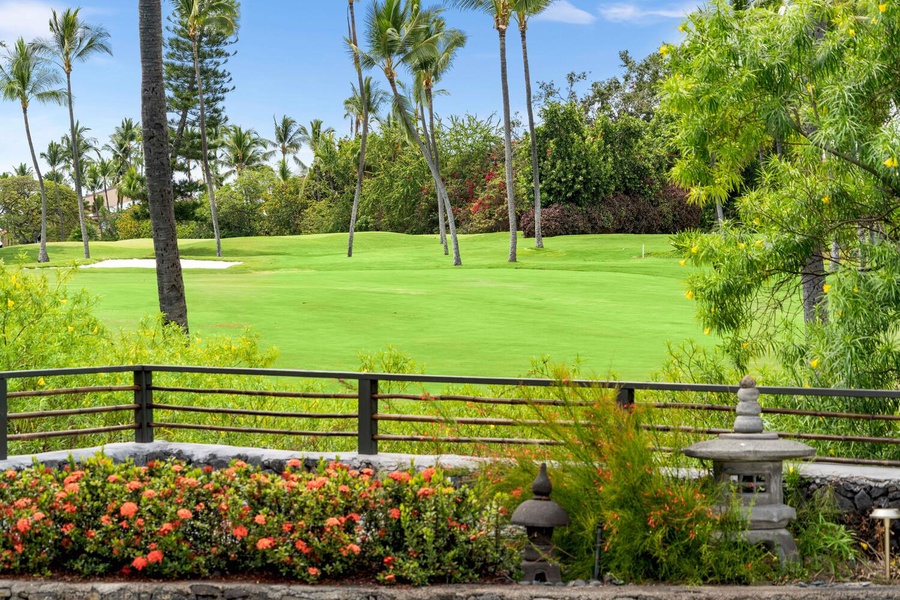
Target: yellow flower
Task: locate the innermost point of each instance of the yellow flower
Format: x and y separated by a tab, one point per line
758	243
12	280
41	381
791	469
713	309
10	303
814	363
825	199
826	288
682	262
682	30
891	162
64	301
883	7
745	345
689	295
852	32
864	545
855	289
198	340
695	249
756	221
706	331
664	49
96	329
71	329
742	245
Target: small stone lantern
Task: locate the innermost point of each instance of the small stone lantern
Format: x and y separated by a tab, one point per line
750	460
539	516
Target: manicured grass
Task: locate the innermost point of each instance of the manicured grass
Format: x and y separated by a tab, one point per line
592	298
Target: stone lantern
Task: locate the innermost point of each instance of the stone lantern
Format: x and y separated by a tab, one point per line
749	461
539	516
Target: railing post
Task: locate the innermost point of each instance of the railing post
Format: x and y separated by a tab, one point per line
625	397
143	414
368	408
4	421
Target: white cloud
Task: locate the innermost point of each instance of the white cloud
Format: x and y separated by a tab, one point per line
622	12
23	18
564	12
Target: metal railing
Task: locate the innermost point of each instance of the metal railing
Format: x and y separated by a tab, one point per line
149	406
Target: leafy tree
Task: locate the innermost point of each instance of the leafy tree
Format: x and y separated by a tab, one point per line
288	138
806	96
72	40
501	12
200	18
181	85
155	137
24	77
523	9
20	209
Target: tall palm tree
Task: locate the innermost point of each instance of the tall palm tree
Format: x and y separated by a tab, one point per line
362	94
24	77
375	100
155	135
395	31
106	171
288	139
429	69
54	158
71	40
85	144
125	145
200	17
501	11
242	149
314	135
523	9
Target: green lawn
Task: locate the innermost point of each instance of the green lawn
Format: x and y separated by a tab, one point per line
588	297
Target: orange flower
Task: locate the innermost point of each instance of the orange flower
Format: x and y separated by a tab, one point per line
67	528
400	476
23	525
149	494
317	483
301	546
177	468
260	519
166	528
350	549
265	543
239	532
314	572
184	513
133	485
332	522
428	473
424	492
286	527
112	478
394	513
71	488
38	516
155	556
105	520
295	463
139	563
344	489
354	517
128	509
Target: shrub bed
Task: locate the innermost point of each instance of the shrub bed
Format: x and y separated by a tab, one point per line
168	520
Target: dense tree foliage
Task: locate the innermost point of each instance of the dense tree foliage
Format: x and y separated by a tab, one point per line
794	111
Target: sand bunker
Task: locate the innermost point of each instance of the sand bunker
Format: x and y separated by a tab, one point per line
149	263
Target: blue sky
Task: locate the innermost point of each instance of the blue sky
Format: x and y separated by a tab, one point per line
291	60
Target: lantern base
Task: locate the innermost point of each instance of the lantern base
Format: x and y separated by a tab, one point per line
780	541
540	571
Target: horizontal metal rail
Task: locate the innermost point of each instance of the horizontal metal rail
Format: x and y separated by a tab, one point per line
369	417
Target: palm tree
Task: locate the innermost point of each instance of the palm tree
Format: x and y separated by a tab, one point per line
124	145
523	9
287	137
200	17
161	198
315	135
395	33
86	145
428	70
24	77
23	170
55	159
74	40
242	149
106	171
501	11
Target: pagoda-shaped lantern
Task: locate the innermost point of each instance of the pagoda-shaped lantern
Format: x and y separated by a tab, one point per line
540	516
749	461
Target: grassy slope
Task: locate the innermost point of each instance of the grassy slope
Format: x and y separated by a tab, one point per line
592	297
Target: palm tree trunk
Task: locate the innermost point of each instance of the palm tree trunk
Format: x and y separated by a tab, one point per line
507	147
535	167
435	174
429	99
160	196
59	210
210	187
75	163
360	170
42	254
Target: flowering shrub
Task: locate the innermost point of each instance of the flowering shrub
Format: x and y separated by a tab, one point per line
170	520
